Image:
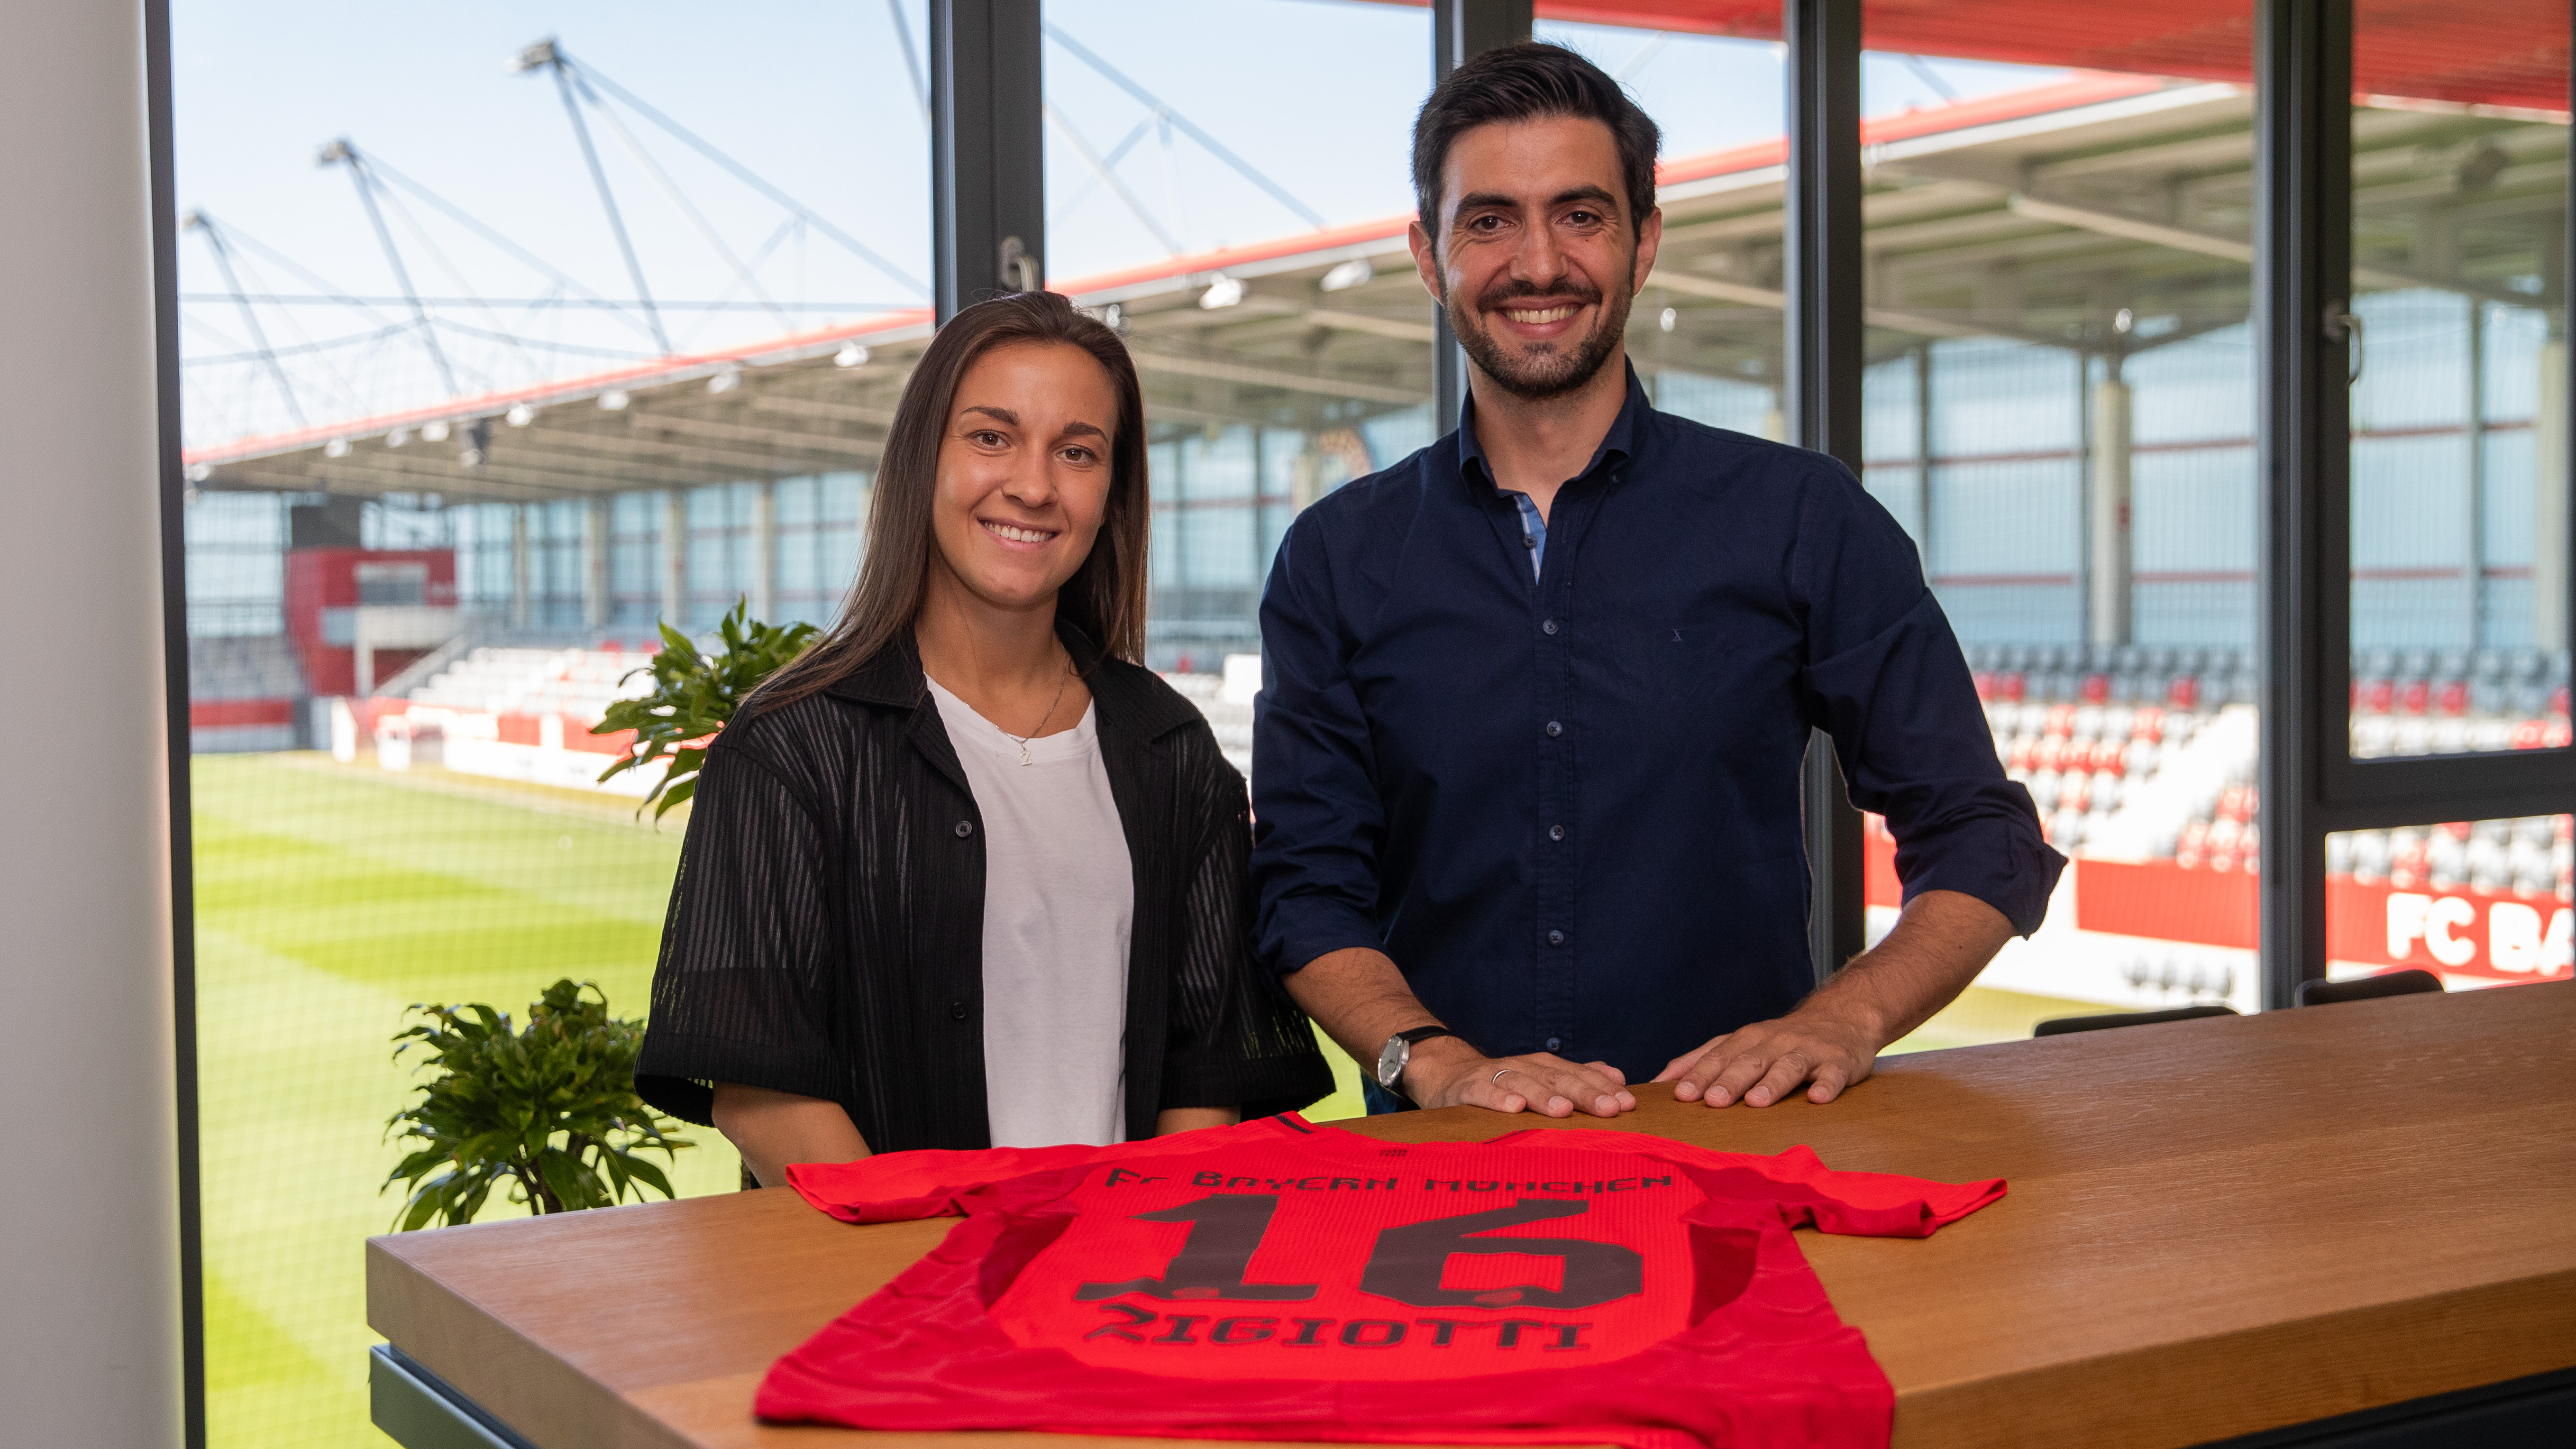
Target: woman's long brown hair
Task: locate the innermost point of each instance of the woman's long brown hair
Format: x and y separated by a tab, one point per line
1105	598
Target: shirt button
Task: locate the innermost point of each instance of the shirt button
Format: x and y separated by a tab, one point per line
1556	938
1528	542
1556	832
965	828
1553	730
1548	627
957	1011
1553	1043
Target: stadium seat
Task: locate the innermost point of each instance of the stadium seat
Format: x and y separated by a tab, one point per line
2061	1025
2365	988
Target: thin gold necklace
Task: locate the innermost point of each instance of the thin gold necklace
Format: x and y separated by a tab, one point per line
1023	740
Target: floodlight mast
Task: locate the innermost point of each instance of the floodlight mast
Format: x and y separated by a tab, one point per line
199	221
1106	173
340	152
911	58
545	55
1184	125
590	76
381	171
670	190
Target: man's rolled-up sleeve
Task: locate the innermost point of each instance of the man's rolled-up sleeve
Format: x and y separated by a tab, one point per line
1317	817
1884	677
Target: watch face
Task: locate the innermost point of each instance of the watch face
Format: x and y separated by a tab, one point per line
1391	1059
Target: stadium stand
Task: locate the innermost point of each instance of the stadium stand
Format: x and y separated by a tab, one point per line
242	693
521	713
2141	760
2138	753
518	713
1226	700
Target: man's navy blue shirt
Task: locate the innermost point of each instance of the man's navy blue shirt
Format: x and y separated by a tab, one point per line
1568	806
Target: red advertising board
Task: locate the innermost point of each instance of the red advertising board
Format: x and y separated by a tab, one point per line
2160	899
2458	932
2497	936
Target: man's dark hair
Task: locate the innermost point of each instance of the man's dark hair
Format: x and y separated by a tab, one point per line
1527	81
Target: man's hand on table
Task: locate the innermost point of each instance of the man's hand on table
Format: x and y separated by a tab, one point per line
1447	1072
1764	1062
1941	940
1360	999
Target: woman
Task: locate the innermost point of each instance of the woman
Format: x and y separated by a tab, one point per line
965	874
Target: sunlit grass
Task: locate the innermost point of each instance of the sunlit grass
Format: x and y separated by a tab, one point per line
329	898
1984	1014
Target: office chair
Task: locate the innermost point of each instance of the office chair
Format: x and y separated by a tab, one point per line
2061	1025
2364	988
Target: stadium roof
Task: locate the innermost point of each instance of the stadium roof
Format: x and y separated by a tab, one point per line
2103	213
2500	53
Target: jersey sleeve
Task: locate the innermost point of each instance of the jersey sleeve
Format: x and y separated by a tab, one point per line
1857	1204
1808	1193
1886	1204
894	1187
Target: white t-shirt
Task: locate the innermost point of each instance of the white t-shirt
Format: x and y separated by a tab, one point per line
1059	904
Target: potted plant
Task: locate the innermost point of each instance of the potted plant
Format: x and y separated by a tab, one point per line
693	696
548	1112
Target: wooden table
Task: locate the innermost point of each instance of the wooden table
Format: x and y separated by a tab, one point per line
2215	1227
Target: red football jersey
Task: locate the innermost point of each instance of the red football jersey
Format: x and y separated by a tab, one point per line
1280	1280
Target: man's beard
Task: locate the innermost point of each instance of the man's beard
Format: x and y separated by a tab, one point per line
1551	369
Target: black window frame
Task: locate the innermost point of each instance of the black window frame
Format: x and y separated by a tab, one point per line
2311	784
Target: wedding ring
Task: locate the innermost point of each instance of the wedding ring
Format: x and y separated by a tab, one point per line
1498	1077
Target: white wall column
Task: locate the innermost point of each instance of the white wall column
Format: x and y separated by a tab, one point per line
1923	451
1260	557
675	558
89	1276
595	604
2107	511
2549	500
520	565
764	551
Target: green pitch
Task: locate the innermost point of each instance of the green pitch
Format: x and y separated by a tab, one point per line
329	898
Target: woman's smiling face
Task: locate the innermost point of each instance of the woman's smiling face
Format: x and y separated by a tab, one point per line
1024	471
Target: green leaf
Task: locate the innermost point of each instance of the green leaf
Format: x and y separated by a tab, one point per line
545	1111
693	696
646	1173
675	795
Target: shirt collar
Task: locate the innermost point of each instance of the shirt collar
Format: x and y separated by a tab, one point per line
1618	443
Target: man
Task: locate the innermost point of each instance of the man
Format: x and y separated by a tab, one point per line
1527	763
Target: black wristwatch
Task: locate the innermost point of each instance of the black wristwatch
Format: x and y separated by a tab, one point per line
1398	1052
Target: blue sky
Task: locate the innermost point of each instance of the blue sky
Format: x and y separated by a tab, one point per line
1316	95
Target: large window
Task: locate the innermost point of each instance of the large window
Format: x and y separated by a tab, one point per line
541	356
1258	271
2459	400
2059	407
2459	530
